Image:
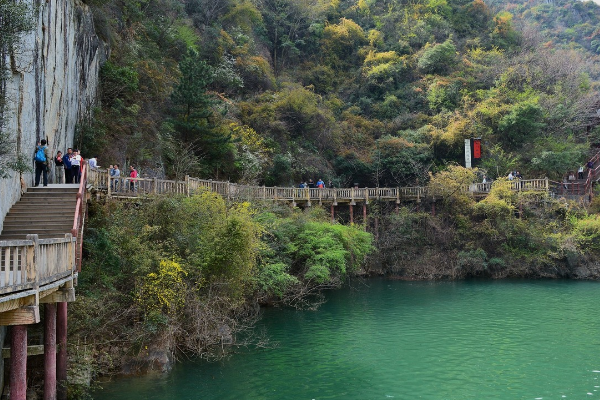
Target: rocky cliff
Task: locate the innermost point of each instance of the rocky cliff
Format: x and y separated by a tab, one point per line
52	83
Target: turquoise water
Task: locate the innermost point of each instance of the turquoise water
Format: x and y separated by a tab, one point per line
408	340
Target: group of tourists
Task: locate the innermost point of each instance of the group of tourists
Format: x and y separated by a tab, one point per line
311	184
67	167
114	174
512	175
580	172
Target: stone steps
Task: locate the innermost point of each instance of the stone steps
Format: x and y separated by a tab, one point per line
45	211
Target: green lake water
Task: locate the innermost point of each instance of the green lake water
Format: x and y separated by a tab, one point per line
386	339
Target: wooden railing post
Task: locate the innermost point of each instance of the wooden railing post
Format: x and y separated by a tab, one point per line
33	259
109	185
187	185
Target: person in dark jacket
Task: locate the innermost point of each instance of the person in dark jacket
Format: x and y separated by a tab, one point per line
67	163
42	157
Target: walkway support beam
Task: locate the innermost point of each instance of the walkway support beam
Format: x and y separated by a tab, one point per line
61	359
364	209
18	363
50	352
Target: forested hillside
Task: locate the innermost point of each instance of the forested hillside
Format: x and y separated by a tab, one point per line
372	92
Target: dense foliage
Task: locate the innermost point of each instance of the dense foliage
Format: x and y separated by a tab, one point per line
186	273
375	93
507	234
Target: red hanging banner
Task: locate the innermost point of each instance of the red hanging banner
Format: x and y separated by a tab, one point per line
477	148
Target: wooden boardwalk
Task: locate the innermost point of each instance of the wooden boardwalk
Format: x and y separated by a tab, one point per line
40	257
135	187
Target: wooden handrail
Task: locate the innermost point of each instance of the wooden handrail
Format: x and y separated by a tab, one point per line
26	264
78	218
128	187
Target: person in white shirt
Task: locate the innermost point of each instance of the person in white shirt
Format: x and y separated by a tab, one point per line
93	162
75	166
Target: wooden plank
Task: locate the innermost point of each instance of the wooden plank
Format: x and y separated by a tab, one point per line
32	350
25	315
16	276
65	295
12	243
54	241
16	303
6	280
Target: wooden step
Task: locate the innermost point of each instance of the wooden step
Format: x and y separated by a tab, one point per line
34	206
41	211
48	198
16	225
54	187
53	233
63	204
24	236
29	218
48	194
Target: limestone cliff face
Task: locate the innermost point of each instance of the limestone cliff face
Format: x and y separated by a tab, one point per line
52	84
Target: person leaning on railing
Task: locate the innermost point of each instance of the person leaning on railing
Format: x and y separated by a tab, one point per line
132	174
115	174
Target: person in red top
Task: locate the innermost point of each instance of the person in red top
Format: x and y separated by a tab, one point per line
132	174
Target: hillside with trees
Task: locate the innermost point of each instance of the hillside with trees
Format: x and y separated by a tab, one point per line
375	93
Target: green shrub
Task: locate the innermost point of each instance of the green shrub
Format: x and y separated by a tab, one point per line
438	58
587	232
472	262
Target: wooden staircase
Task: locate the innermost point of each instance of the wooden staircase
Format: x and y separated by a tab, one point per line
46	211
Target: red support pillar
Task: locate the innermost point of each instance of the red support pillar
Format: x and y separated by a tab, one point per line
351	215
18	362
365	215
50	352
332	213
61	359
433	209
